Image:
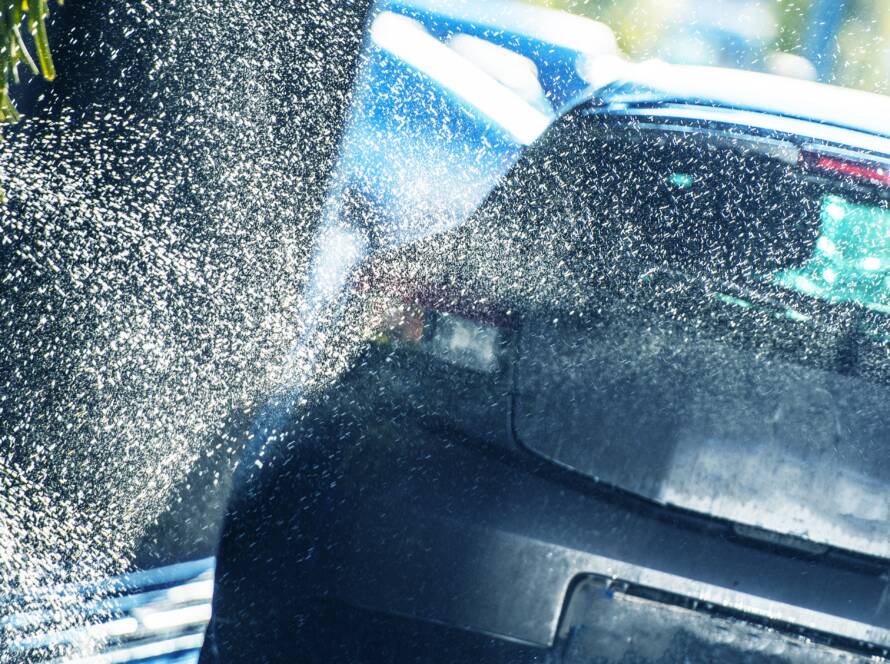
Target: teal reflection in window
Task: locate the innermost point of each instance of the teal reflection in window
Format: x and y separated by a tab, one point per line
681	180
851	261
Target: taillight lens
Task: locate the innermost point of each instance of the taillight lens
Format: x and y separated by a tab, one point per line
471	344
863	170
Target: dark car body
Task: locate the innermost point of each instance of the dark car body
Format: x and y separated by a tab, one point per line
615	417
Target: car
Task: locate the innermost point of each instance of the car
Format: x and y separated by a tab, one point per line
632	410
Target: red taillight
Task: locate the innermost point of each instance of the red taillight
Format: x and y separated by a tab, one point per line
876	173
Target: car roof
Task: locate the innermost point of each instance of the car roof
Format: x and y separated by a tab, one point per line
660	84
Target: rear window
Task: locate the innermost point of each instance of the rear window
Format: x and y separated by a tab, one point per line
696	317
738	366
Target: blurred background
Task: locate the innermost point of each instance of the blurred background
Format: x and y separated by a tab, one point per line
845	42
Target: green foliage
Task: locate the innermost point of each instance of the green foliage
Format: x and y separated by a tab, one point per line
13	50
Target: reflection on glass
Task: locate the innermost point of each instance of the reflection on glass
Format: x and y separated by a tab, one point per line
851	261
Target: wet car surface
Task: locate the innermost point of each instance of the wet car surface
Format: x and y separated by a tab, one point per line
638	421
